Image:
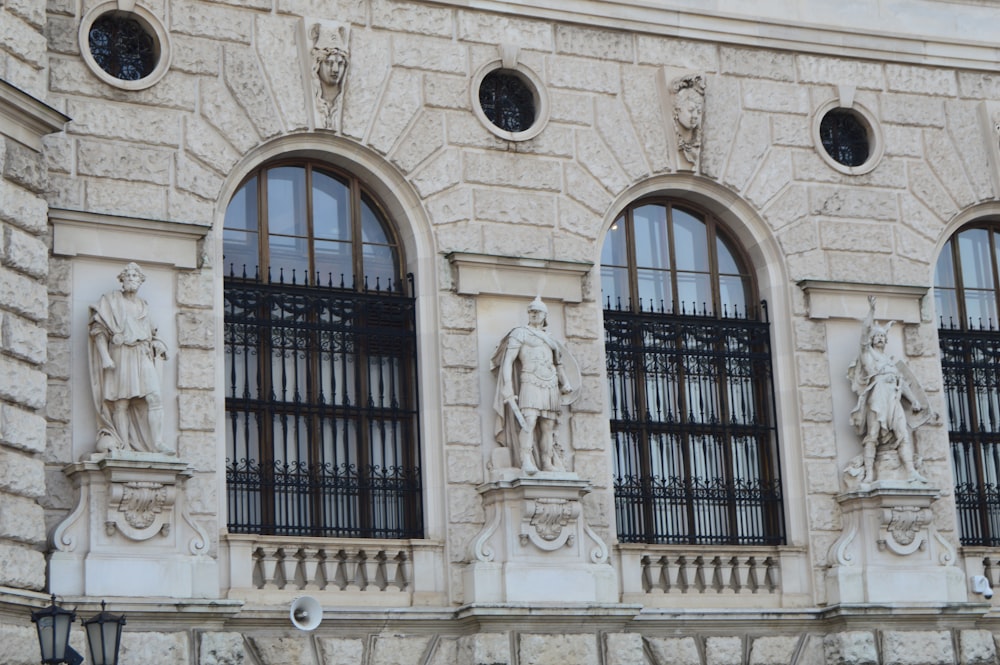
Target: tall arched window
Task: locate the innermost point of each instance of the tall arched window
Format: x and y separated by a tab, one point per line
690	388
967	296
322	432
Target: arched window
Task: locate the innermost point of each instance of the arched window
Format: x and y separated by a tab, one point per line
321	403
690	389
967	296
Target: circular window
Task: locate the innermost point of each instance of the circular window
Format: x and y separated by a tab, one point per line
122	47
126	49
847	139
508	101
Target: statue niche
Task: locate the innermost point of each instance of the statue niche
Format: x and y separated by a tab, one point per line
125	369
891	405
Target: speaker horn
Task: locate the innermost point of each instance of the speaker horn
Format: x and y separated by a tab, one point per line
306	613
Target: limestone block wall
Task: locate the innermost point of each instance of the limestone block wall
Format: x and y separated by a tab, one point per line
23	299
502	647
178	149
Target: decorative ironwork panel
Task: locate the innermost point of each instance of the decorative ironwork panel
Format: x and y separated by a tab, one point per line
970	364
692	419
122	47
322	411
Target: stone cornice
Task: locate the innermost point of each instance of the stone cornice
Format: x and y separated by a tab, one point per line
938	33
80	233
26	119
521	277
849	300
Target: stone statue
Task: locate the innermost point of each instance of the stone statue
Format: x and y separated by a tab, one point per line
884	387
329	52
533	385
125	376
689	106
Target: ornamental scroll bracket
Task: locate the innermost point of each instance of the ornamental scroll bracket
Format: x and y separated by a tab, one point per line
549	523
140	509
903	529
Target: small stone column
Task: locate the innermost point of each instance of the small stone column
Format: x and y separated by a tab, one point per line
890	550
536	545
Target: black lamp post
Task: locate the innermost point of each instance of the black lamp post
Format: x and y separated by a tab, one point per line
104	634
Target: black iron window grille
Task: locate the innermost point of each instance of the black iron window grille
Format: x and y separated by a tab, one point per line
689	386
321	403
967	298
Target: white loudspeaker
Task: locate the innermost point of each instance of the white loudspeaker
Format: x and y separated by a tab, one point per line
306	613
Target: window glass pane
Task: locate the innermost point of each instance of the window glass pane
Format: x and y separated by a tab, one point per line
974	255
650	227
615	252
331	215
371	225
614	287
694	291
239	253
286	200
380	266
654	290
980	308
946	305
289	259
242	210
333	263
690	242
725	259
944	272
732	296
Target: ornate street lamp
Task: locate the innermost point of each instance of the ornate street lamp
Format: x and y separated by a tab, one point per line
104	636
53	625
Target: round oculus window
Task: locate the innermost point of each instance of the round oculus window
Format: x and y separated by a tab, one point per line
125	49
122	47
845	137
507	101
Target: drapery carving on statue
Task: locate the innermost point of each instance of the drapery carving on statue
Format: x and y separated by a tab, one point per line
536	378
891	405
125	371
688	94
329	50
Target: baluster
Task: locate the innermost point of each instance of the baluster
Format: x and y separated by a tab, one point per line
741	573
355	571
773	575
288	561
310	564
678	575
374	572
699	574
269	566
339	578
647	575
404	571
720	575
661	575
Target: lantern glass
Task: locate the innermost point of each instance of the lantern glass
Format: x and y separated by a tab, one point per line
104	634
53	624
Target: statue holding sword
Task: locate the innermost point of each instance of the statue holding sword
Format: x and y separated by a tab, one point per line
533	385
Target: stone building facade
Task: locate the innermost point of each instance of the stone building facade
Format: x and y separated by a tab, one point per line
716	116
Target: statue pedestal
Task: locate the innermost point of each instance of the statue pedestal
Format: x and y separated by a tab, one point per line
536	546
130	534
890	551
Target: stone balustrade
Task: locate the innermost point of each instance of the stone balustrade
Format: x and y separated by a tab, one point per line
271	568
714	575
